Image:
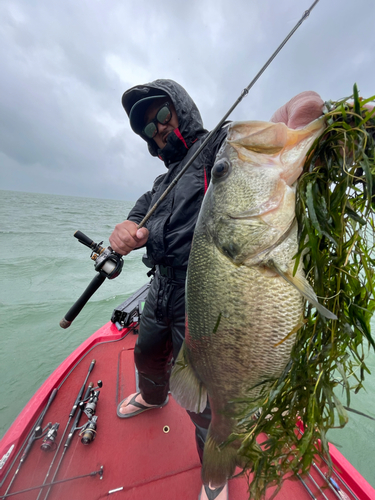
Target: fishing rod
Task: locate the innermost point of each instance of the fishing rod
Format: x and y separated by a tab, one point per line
339	492
221	122
333	485
71	415
70	436
94	473
99	279
306	487
32	438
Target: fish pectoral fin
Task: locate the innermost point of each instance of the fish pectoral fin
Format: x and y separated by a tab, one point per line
304	288
186	388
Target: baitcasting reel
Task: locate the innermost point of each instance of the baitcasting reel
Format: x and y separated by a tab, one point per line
108	264
106	260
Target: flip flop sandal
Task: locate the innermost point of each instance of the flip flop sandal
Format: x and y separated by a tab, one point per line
141	407
212	494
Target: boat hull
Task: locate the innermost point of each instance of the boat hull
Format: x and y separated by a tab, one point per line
150	456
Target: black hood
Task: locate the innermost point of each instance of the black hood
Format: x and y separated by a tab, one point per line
189	119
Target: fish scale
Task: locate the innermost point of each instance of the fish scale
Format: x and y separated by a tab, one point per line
254	325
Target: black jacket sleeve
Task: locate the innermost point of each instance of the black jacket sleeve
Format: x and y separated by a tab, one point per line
140	208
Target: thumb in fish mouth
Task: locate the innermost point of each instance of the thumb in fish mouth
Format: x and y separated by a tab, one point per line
300	110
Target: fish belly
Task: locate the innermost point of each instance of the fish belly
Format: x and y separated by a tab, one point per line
236	316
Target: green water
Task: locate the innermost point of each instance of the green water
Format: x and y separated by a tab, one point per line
44	269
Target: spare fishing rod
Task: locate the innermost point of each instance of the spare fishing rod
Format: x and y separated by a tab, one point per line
99	279
70	436
33	436
94	473
71	415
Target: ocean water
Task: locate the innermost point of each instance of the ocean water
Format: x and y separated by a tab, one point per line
44	269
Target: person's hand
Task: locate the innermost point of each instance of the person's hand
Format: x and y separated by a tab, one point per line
126	237
300	111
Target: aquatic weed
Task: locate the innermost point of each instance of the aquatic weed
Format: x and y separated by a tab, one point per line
335	213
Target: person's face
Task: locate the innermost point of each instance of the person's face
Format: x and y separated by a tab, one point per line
162	130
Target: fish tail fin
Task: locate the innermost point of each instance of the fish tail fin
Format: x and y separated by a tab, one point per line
219	463
186	388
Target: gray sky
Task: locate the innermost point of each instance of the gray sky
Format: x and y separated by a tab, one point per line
66	63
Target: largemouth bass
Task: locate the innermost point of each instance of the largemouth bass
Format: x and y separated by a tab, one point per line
244	305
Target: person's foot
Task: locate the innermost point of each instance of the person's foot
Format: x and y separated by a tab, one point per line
208	493
134	405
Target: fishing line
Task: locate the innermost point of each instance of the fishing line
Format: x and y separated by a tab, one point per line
219	125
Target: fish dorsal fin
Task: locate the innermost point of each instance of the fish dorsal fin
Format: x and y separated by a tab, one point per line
305	289
186	388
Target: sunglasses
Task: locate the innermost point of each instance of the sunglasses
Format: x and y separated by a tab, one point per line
163	116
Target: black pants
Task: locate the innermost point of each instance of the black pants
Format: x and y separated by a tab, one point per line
161	333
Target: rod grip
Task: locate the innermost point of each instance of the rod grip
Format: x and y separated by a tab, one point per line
80	303
85	240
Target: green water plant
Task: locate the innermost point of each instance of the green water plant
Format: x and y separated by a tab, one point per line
335	213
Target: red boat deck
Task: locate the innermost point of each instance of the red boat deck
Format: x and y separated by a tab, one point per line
151	456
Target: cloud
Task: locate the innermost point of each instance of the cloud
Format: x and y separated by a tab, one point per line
65	65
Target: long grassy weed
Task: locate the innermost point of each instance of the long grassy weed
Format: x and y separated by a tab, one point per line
335	213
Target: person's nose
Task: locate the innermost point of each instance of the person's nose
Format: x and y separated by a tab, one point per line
161	127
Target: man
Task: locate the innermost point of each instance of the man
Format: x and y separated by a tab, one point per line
166	117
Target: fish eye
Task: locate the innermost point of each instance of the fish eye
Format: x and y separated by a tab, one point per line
221	169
